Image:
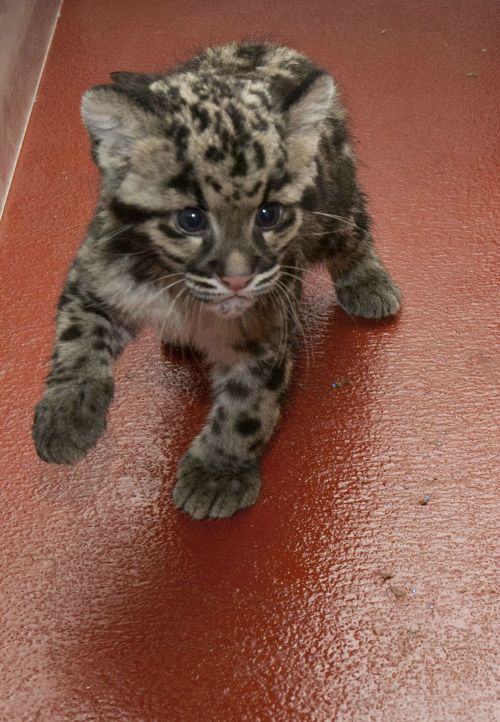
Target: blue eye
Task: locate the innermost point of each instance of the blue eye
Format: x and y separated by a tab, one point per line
268	215
192	220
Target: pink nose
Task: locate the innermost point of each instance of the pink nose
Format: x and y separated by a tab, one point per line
236	283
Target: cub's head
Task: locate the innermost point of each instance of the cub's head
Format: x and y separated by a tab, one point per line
206	175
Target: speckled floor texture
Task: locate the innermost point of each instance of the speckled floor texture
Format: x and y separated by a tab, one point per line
342	595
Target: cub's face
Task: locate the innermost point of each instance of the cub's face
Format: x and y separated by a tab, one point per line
206	177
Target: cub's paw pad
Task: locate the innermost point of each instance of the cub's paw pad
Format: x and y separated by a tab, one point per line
375	297
69	419
208	492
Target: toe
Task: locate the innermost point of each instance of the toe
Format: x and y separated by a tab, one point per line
224	505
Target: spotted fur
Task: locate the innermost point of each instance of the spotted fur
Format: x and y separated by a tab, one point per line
234	130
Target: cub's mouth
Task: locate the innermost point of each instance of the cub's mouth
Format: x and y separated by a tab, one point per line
231	296
230	306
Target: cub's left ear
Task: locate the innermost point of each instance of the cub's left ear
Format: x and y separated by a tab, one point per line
309	103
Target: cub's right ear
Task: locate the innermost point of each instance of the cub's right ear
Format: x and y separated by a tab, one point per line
112	116
115	118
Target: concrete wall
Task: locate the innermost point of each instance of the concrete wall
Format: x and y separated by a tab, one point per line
26	28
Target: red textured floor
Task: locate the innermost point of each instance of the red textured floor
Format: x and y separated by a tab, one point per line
338	597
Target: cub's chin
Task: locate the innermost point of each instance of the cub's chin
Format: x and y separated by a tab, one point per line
230	307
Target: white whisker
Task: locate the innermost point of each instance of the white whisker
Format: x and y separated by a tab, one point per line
292	301
162	290
283	325
297	278
113	234
347	221
300	268
171	309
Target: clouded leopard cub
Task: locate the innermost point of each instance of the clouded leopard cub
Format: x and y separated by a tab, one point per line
221	181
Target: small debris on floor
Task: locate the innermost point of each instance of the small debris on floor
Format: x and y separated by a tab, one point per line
341	383
413	590
398	593
424	500
472	74
383	32
483	50
436	442
385	576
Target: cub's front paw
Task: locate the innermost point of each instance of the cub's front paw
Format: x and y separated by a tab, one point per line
70	418
208	491
376	296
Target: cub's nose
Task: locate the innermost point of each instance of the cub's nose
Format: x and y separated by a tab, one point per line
236	283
